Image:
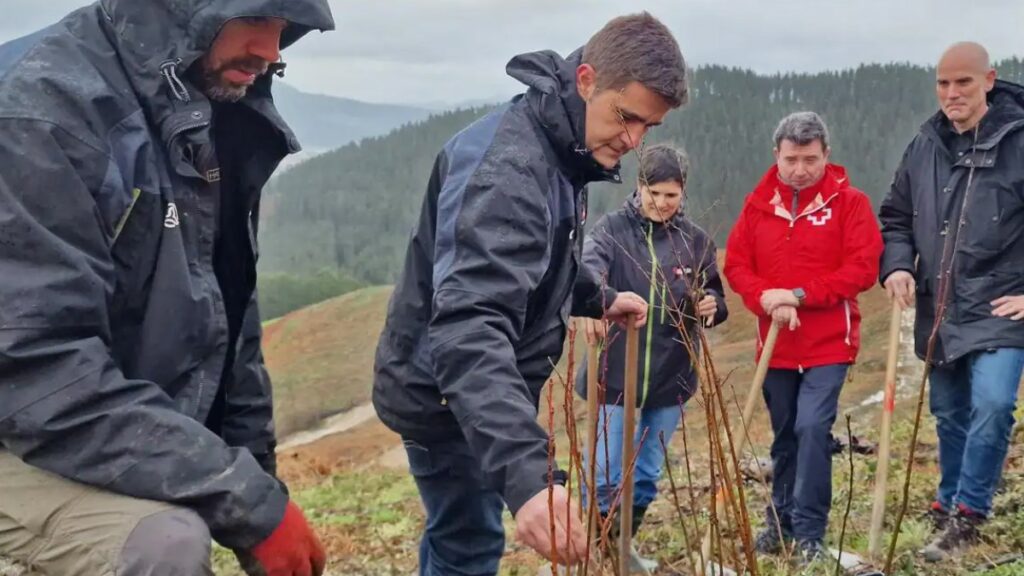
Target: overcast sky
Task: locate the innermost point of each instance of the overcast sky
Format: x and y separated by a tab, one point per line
430	51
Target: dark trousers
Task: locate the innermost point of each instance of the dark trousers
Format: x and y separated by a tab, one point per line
803	407
464	535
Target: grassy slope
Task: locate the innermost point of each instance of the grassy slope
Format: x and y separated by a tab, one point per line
321	358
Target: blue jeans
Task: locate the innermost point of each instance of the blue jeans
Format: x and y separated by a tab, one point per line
650	455
464	535
973	401
803	407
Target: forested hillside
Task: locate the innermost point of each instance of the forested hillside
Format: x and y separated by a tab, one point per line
351	210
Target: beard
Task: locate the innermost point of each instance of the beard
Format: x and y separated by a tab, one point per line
218	88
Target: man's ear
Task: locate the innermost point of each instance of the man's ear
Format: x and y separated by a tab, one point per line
990	80
586	81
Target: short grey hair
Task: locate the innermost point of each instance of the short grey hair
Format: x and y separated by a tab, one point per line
802	128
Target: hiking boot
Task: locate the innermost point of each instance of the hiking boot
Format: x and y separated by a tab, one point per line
637	563
810	551
768	542
638	518
960	533
938	516
640	565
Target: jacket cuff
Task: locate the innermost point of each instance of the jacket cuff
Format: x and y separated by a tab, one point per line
264	519
529	480
896	257
608	296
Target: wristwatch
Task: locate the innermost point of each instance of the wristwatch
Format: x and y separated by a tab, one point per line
800	294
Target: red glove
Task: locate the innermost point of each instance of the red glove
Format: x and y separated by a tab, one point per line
292	549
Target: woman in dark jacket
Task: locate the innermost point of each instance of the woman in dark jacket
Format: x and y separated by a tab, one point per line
649	247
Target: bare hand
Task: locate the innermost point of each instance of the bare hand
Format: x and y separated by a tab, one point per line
626	304
533	527
772	299
786	315
594	330
900	286
1011	307
707	308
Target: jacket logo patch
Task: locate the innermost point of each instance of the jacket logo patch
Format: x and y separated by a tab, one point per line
825	216
171	219
213	175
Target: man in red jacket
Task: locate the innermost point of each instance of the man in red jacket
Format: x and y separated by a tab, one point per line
805	245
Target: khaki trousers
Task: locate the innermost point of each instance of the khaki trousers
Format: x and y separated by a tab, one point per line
58	527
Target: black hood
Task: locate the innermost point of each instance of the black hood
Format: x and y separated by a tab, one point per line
557	105
156	31
157	40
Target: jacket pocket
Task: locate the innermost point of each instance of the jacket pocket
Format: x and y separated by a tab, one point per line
974	295
987	217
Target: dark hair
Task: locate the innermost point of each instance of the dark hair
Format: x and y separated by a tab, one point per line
664	163
638	48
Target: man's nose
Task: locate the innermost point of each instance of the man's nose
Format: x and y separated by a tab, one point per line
631	137
266	45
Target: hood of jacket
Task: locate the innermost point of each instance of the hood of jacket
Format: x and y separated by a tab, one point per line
557	105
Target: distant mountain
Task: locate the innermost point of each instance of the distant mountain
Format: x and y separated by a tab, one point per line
324	122
441	105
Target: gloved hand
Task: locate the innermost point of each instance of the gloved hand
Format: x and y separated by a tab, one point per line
292	549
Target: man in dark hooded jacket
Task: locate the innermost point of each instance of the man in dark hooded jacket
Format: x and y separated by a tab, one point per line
953	225
479	316
135	410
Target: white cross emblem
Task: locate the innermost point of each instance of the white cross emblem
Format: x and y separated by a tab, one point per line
816	220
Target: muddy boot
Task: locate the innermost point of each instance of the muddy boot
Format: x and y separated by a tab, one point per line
769	543
938	516
637	563
961	533
810	552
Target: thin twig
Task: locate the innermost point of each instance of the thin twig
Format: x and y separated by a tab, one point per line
849	497
551	476
675	499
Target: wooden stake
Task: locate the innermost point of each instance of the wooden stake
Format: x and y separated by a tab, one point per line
888	406
593	366
628	437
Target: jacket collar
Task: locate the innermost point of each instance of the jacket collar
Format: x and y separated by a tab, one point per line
1005	115
771	194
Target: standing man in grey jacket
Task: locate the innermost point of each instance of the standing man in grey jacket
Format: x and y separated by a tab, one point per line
479	316
953	225
135	410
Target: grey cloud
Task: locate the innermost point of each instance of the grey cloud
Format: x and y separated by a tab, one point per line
456	50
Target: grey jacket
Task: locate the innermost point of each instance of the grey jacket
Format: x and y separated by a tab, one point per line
923	207
117	336
479	316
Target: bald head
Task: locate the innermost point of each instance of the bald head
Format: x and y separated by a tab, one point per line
963	79
967	56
